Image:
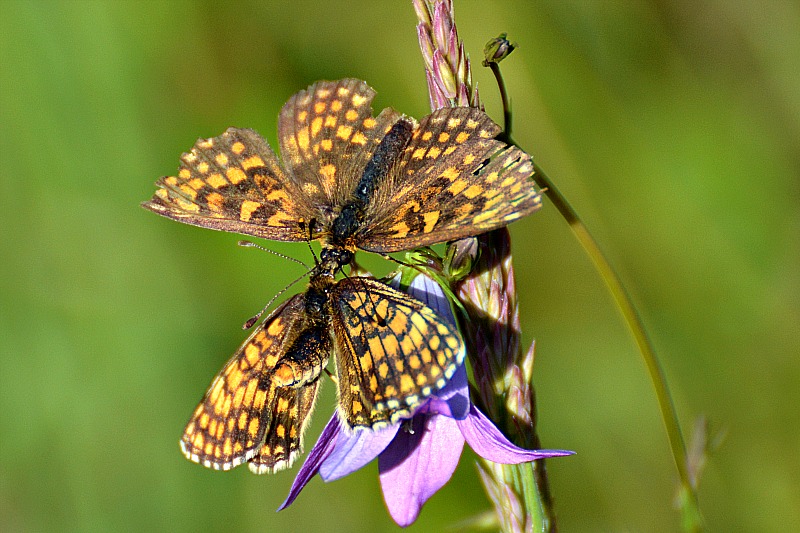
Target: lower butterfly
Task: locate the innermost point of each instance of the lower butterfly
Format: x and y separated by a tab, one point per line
391	350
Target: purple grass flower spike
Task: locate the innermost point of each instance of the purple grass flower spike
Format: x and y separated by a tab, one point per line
417	456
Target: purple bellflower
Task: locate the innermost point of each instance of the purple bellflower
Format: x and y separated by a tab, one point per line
416	456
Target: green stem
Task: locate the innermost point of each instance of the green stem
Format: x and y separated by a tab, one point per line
634	321
690	504
501	85
630	315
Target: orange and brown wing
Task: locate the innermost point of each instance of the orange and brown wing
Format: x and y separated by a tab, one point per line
392	352
327	135
234	183
454	180
238	412
283	442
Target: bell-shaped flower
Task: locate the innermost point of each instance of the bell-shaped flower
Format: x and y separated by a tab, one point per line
416	456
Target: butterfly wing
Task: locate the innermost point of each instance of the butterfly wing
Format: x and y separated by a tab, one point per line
234	183
327	135
392	352
291	410
453	180
241	409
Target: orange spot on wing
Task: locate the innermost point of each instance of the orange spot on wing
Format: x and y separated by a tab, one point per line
236	175
344	132
247	210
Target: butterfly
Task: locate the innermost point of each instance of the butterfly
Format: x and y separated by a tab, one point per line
392	352
352	180
380	183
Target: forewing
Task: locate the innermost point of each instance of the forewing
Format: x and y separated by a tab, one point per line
392	352
234	183
230	424
291	410
327	135
454	180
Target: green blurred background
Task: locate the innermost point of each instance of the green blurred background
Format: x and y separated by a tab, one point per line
672	126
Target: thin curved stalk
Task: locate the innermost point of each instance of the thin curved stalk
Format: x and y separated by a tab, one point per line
688	497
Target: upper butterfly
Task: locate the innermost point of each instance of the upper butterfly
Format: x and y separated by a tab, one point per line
354	180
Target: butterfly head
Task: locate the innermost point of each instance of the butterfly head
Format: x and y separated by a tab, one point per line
333	258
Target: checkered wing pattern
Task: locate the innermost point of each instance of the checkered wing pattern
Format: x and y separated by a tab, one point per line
327	135
234	183
452	181
392	352
242	409
283	441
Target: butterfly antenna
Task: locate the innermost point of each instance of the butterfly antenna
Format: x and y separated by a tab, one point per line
310	226
313	254
253	319
249	244
398	261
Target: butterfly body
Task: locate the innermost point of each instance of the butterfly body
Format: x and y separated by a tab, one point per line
308	354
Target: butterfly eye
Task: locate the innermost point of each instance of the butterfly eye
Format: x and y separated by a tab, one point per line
334	257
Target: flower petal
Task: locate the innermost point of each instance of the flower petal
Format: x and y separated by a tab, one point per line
430	293
453	399
321	450
417	463
355	450
488	442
